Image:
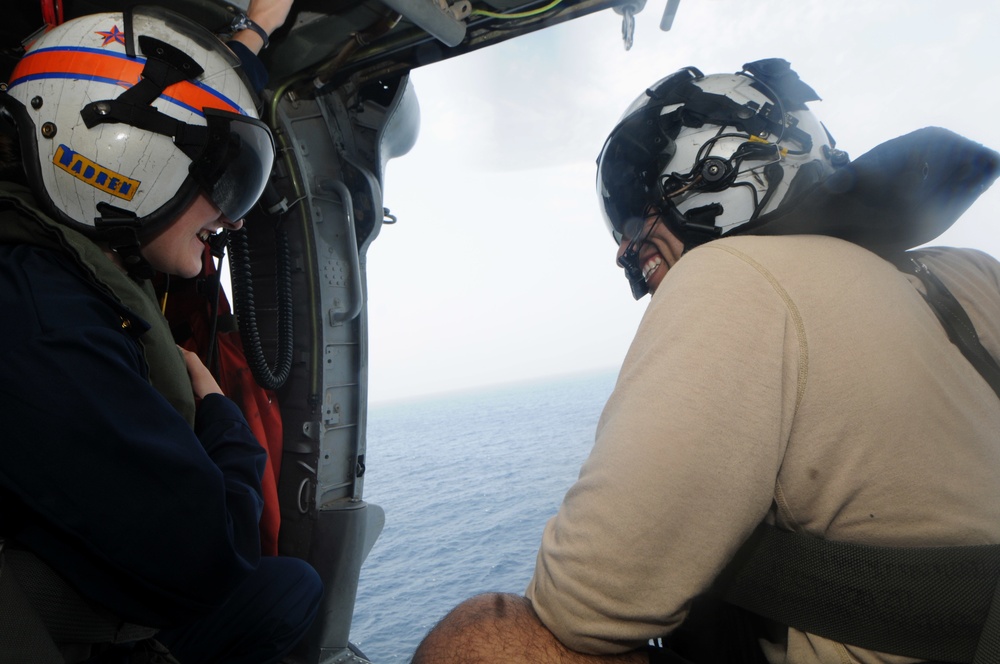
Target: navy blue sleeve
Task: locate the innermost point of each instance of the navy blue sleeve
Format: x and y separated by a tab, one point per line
252	66
99	475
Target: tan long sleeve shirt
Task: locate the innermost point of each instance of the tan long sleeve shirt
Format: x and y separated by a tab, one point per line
799	378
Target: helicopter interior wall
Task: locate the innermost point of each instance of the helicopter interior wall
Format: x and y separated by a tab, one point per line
330	149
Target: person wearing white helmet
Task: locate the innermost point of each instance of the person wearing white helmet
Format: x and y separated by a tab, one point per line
125	470
798	377
674	156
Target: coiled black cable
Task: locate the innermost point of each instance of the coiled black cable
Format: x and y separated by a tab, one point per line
246	316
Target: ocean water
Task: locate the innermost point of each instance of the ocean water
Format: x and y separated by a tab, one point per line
467	483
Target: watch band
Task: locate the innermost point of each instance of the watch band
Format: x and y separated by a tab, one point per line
243	22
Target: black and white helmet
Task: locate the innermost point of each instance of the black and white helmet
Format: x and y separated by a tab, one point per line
713	153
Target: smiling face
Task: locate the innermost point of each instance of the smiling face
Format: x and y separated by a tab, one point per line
179	247
658	250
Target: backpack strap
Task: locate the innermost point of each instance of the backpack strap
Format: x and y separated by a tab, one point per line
953	318
925	602
934	603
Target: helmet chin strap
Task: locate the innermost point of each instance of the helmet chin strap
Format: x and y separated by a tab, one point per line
121	231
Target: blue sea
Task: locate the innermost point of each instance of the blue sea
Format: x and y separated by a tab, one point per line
467	482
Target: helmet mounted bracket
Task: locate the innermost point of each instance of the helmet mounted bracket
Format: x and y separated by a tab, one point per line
629	261
165	65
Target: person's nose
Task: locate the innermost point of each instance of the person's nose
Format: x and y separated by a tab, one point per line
232	225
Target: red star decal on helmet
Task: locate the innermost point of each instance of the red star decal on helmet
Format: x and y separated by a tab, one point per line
113	35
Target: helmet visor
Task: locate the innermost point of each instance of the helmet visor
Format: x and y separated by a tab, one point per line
637	151
628	168
235	164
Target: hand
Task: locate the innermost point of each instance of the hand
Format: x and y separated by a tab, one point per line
268	14
202	380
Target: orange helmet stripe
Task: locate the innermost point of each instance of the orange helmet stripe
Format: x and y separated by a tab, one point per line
116	69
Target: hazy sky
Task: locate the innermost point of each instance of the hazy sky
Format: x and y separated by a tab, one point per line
500	269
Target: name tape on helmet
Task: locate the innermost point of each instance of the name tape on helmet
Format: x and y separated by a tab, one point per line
94	174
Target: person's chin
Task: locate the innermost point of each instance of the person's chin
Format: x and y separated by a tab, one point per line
188	270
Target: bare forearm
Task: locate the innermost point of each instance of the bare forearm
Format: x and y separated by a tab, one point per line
502	628
269	15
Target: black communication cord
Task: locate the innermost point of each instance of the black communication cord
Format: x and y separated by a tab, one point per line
217	247
246	315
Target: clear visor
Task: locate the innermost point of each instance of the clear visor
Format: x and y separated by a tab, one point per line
237	159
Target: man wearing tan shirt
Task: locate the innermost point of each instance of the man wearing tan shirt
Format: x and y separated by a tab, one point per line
785	371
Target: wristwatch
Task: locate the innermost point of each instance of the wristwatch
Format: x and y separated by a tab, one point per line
243	22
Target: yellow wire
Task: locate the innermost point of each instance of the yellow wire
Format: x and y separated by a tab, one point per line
533	12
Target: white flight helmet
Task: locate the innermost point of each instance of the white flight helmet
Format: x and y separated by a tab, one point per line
710	154
125	118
